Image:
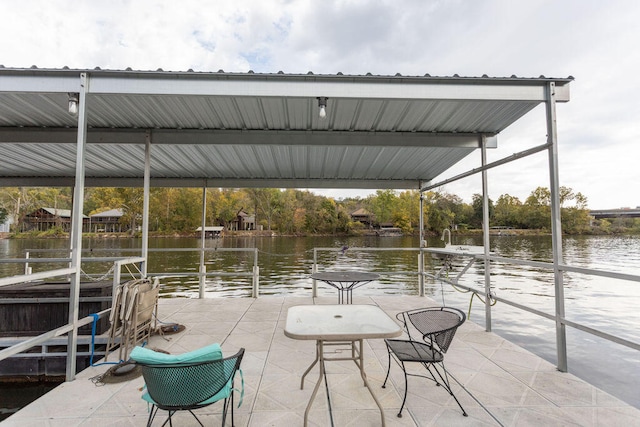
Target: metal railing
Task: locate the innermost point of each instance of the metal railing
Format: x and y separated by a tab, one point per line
254	274
419	272
547	266
69	327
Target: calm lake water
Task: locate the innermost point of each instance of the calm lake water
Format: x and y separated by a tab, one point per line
609	305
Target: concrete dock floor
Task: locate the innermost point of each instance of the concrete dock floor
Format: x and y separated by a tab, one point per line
497	382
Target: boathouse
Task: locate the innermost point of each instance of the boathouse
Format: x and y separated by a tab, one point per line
243	222
233	130
211	231
44	219
363	216
108	222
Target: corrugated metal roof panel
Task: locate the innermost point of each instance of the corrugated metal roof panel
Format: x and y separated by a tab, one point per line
247	129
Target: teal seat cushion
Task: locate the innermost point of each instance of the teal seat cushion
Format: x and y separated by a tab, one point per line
149	357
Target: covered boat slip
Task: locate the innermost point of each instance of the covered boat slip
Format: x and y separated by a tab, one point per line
83	128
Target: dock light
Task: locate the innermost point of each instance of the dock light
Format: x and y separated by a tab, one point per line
322	103
73	103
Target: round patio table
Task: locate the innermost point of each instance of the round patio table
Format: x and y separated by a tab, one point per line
345	282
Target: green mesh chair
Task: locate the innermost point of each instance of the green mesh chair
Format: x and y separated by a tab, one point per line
188	381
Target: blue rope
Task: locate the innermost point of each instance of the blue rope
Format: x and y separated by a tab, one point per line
93	341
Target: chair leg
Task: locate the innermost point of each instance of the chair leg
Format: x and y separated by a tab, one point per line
384	384
225	409
194	416
152	415
406	389
445	383
233	423
168	420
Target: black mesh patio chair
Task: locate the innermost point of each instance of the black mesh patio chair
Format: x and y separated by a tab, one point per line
191	385
437	325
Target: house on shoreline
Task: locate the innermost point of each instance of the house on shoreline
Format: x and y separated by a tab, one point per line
45	219
108	222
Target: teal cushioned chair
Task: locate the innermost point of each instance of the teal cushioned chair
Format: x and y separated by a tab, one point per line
187	381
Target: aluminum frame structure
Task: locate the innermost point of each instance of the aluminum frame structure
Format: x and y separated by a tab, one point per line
191	129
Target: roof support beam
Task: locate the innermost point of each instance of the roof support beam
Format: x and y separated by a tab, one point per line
250	137
68	181
42	84
353	87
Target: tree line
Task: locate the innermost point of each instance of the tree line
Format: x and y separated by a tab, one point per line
290	211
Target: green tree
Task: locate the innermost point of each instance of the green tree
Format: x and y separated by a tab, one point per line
187	213
478	210
225	204
267	202
406	214
507	211
537	209
382	205
285	216
439	213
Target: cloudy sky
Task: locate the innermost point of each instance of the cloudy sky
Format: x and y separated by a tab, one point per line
595	41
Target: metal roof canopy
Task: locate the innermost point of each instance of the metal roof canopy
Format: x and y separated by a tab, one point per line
253	130
239	130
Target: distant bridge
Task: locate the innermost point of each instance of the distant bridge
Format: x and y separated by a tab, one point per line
616	213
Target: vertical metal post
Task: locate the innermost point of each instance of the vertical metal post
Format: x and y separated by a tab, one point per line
556	226
314	269
76	229
485	238
422	246
203	236
27	270
256	274
117	274
145	203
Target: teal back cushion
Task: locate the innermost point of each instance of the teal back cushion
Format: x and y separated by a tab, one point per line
183	390
150	357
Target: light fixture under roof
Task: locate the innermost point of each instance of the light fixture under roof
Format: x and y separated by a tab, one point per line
322	103
73	103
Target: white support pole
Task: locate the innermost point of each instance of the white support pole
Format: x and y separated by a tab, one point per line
203	235
117	275
314	269
256	275
422	246
76	229
556	227
485	238
145	203
27	269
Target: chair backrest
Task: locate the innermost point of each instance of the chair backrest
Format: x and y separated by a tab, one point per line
185	385
437	325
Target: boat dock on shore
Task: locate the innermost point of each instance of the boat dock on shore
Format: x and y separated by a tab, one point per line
496	381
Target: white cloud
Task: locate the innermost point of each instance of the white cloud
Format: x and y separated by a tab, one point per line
592	40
